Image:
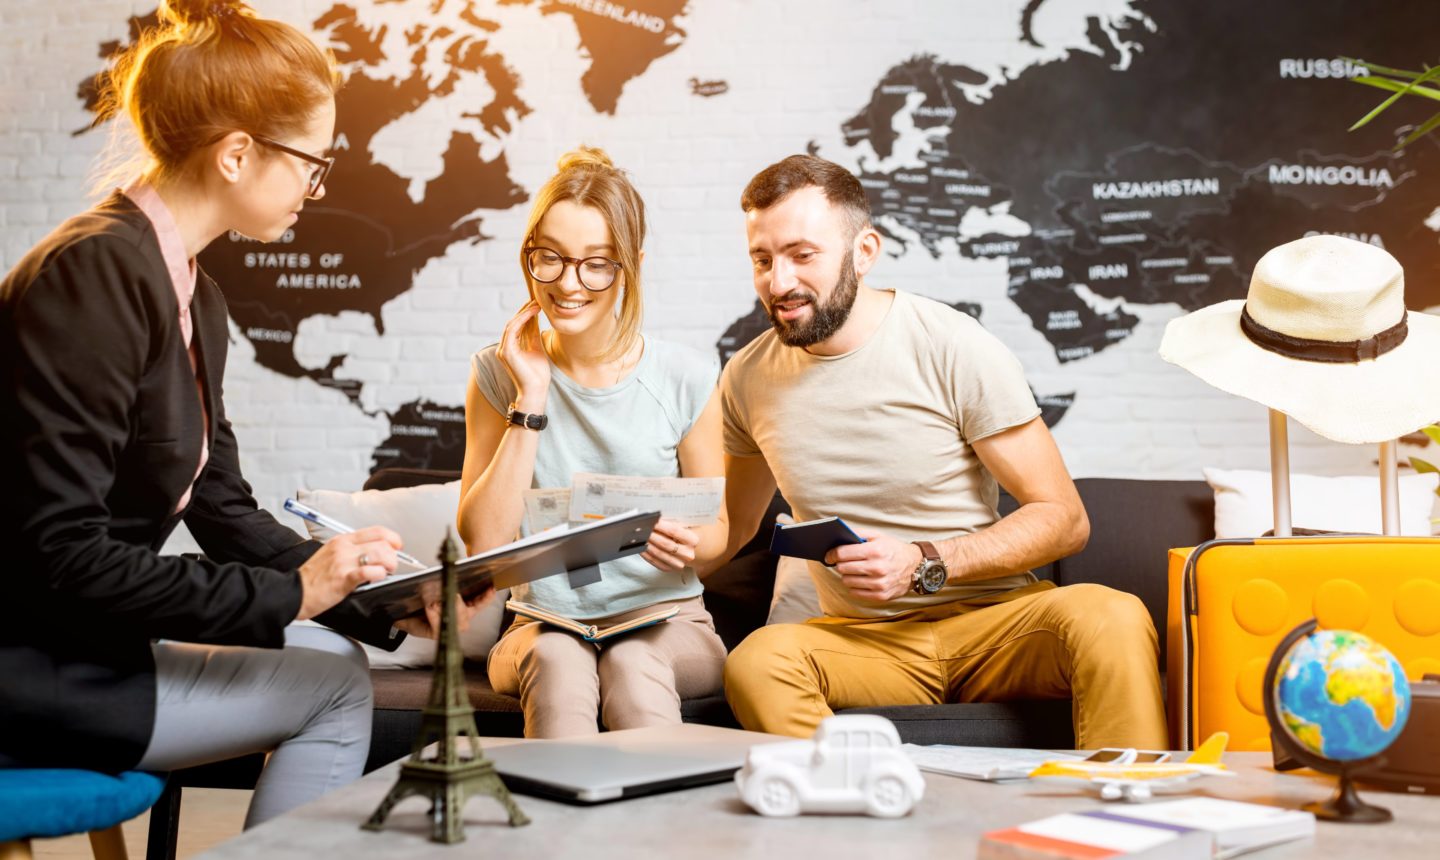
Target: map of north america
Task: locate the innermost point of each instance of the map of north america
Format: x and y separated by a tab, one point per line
1104	180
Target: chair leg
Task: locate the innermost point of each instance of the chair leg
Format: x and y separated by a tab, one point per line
108	844
18	849
164	824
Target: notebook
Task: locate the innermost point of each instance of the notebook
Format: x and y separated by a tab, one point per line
591	632
812	538
624	764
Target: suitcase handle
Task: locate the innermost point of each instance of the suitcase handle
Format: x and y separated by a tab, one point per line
1280	479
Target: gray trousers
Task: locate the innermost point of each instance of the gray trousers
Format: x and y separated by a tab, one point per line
308	705
634	680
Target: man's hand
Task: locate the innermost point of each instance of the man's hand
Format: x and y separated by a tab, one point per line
428	625
882	568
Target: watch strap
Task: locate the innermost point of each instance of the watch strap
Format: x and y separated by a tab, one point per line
928	550
528	420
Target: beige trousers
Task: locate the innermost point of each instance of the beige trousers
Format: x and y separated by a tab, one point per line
1087	642
636	679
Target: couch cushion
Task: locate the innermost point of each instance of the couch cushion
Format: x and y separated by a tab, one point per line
422	515
1031	725
1243	506
409	690
1133	526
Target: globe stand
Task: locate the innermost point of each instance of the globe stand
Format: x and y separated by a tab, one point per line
1346	806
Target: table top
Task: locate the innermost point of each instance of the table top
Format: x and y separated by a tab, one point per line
713	822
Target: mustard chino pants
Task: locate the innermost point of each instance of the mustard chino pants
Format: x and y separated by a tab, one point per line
1087	642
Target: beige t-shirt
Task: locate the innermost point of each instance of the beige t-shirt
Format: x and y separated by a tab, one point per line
881	436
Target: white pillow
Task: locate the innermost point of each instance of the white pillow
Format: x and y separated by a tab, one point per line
1346	504
794	600
420	515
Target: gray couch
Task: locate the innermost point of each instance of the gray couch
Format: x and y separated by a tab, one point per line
1133	523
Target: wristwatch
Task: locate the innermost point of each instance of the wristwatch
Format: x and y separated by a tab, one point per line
528	420
930	573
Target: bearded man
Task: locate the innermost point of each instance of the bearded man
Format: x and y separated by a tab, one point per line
900	414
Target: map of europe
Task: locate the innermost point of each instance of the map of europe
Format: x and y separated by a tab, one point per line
1152	170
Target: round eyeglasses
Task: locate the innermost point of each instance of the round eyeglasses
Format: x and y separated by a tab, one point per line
320	165
546	265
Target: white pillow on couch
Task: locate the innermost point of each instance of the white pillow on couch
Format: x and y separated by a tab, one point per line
794	600
1243	506
420	515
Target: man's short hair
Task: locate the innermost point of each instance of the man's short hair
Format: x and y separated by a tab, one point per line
783	178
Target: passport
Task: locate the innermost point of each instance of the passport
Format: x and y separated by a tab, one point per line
812	538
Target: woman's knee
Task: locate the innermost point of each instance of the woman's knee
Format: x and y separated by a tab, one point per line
318	638
336	676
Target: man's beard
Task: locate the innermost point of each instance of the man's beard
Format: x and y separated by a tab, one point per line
825	318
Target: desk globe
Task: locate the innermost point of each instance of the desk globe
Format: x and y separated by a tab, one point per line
1336	700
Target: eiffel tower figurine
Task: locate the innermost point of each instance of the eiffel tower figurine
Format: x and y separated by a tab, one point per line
446	778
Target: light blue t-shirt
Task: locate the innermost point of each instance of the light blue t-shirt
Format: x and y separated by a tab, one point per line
631	428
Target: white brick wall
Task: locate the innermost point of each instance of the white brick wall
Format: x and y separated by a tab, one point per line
796	71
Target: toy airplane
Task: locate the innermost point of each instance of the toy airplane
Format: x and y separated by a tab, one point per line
1126	779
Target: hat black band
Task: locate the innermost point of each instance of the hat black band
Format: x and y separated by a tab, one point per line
1332	351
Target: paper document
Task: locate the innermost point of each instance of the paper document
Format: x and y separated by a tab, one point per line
987	763
692	501
546	509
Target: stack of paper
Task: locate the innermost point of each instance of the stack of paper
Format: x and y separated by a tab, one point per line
987	763
1238	827
1095	836
692	501
1198	827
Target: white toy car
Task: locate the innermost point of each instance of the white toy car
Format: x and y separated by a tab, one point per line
853	764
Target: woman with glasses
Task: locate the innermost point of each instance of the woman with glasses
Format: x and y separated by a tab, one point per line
112	355
592	394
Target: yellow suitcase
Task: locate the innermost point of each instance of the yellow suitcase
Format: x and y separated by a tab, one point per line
1231	602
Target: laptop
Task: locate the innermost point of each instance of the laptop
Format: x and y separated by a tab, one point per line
624	764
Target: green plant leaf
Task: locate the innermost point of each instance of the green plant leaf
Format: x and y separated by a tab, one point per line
1433	431
1396	86
1425	128
1421	466
1427	75
1379	109
1382	70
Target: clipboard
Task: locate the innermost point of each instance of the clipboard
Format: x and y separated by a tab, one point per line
577	550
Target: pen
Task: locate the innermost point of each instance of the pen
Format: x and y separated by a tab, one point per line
305	512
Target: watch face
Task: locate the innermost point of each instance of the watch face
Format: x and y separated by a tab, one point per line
932	577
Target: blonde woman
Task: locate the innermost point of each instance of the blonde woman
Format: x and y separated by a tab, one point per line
613	401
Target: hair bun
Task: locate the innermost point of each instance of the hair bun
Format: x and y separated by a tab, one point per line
195	12
584	156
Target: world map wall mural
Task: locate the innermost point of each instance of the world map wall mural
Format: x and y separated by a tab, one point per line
1146	165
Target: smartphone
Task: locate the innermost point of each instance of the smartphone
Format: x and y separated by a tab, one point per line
1141	756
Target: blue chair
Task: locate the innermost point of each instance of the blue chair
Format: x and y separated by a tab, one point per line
39	803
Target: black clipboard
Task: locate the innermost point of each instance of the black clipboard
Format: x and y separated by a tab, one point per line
577	551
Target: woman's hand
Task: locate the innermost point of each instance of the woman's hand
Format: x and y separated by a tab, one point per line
523	355
428	625
344	562
672	545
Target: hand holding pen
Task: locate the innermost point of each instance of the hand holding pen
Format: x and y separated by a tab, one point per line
305	512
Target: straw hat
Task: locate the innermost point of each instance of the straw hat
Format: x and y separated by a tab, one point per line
1323	336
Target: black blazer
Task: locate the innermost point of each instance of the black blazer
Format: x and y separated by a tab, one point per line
100	434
